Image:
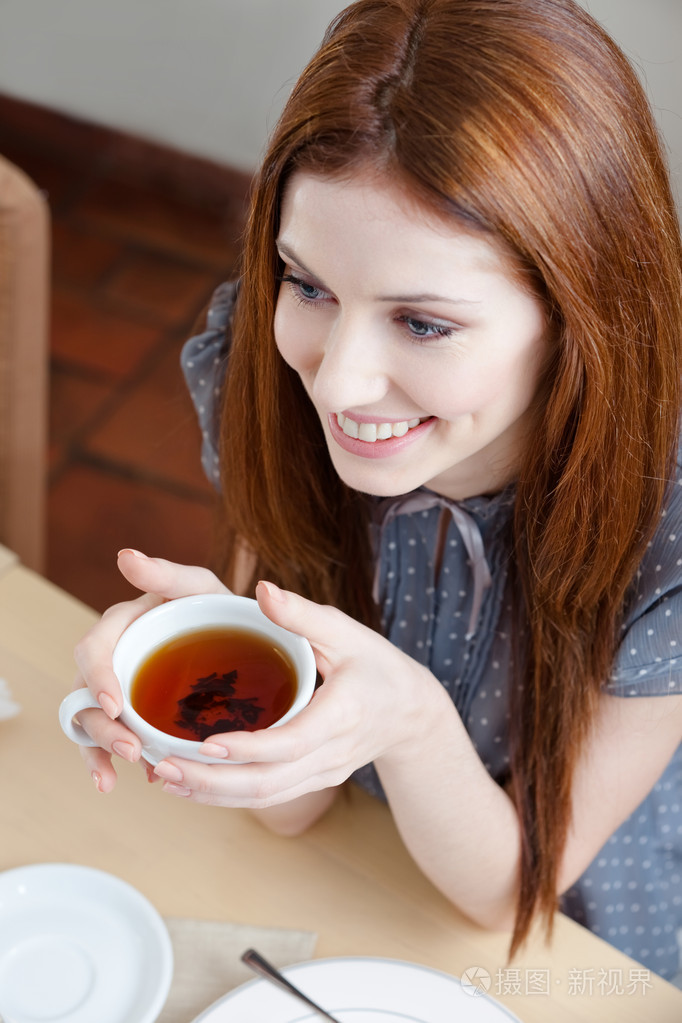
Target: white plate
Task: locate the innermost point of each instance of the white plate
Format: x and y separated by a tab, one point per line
79	946
360	990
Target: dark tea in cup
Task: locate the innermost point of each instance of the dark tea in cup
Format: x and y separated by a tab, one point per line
214	680
197	666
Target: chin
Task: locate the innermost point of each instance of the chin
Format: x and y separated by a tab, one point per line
379	488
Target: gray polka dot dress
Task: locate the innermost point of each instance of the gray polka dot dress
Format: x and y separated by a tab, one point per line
458	622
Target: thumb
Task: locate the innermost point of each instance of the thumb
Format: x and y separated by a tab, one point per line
329	631
166	578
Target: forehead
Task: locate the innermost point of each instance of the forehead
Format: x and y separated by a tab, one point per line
373	208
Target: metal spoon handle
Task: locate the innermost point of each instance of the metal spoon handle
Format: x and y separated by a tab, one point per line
265	969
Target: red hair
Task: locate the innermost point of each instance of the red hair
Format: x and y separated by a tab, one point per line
520	118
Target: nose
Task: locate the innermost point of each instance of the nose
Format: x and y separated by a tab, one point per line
353	369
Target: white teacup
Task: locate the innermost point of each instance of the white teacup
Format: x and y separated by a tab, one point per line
166	622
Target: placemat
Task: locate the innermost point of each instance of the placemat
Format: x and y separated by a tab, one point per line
208	964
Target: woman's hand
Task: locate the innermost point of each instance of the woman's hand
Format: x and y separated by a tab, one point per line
374	701
162	580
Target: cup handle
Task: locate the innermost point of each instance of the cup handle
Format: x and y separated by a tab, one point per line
79	699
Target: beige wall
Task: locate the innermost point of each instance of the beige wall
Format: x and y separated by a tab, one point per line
206	76
210	76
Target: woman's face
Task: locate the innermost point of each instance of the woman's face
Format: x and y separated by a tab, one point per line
417	346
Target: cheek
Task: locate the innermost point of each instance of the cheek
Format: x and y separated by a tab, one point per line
500	381
284	334
452	387
294	336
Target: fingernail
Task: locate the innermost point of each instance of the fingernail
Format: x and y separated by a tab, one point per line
176	790
108	705
125	750
168	771
131	550
212	749
273	591
97	780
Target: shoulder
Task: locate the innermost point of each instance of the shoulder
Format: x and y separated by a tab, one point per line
204	360
649	660
211	329
204	354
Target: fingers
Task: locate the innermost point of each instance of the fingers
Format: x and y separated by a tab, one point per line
333	635
246	786
313	751
166	578
162	580
297	614
112	736
336	640
94	651
313	728
98	763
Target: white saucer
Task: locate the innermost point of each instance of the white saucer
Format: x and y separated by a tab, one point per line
78	945
360	990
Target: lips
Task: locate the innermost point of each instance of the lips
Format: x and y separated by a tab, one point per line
376	439
372	432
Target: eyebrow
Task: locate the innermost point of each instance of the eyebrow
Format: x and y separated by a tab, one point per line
422	296
427	296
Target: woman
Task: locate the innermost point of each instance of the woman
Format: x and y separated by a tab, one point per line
452	413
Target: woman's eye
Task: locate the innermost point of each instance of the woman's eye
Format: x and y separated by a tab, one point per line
303	291
308	290
424	329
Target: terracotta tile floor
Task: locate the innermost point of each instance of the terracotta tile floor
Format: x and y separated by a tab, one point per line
141	237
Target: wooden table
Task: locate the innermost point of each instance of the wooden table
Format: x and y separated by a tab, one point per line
349	879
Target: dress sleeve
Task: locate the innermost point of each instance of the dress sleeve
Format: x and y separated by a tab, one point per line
649	659
204	362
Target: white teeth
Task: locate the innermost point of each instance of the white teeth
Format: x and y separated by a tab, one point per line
350	428
371	432
368	432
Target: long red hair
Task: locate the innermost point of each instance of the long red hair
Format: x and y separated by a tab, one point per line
520	118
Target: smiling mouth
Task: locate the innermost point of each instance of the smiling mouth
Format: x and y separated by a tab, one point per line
373	432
